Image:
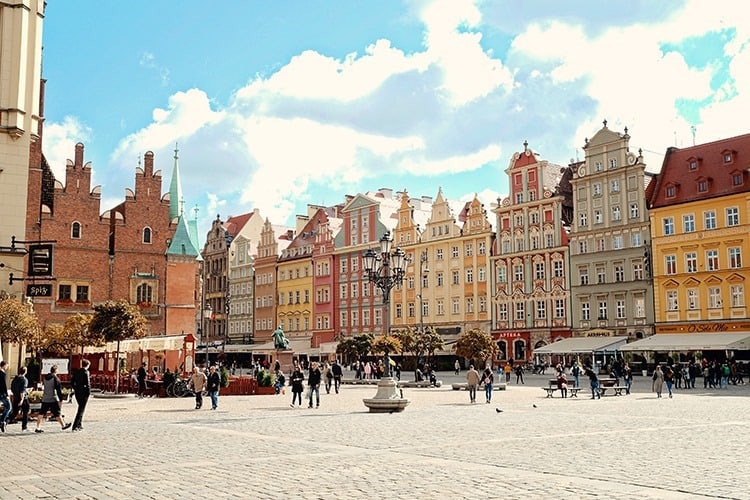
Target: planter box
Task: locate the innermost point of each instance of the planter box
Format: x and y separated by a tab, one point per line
264	391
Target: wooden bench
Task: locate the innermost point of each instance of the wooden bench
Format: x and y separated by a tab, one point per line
617	390
572	391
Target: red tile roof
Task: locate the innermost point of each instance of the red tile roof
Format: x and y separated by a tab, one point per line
234	224
701	172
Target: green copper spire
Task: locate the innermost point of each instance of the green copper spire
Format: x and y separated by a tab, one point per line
181	243
175	190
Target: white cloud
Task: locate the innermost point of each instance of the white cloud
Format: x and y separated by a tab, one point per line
59	143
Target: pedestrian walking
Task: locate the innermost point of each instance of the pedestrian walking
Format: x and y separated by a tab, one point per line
657	379
4	395
81	384
313	385
669	377
52	398
457	367
627	377
327	376
519	373
472	382
337	374
141	377
214	383
507	370
576	372
488	378
593	381
198	383
297	379
19	388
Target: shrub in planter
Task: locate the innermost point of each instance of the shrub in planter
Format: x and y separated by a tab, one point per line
265	379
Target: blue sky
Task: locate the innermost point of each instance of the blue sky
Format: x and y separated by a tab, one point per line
275	105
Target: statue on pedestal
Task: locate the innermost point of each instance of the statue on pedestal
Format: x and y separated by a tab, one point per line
279	340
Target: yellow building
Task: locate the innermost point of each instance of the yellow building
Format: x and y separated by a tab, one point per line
700	227
294	285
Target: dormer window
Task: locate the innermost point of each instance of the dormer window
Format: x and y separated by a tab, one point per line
702	185
728	156
693	164
671	192
737	179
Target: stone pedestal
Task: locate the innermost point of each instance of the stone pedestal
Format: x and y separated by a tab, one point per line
388	399
285	360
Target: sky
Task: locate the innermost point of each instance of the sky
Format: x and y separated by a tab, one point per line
277	105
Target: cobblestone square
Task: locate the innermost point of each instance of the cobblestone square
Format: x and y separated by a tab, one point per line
441	446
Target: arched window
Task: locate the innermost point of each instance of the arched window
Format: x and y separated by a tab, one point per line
75	230
519	350
144	293
502	346
147	235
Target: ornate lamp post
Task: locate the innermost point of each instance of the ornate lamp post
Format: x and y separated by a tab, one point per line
385	271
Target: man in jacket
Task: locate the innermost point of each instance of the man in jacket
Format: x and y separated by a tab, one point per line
141	376
51	400
214	383
313	384
337	374
198	383
20	400
472	381
4	395
81	383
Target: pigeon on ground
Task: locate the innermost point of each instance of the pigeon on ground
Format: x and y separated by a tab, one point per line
532	404
498	410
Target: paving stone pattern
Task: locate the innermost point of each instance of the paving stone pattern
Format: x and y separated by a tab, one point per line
441	446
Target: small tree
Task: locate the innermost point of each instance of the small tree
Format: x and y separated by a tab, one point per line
18	323
431	341
116	321
355	346
78	334
476	345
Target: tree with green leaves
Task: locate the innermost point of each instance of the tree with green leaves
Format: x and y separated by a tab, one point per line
357	346
116	321
431	341
78	334
18	322
476	345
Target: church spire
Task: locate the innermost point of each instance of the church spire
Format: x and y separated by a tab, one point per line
176	200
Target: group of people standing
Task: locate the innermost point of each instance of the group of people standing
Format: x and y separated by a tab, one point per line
199	382
330	375
474	380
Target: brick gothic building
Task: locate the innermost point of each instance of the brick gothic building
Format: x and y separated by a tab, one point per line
136	251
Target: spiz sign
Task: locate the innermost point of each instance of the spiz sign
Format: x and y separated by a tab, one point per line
44	290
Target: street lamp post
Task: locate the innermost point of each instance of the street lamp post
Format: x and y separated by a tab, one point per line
386	270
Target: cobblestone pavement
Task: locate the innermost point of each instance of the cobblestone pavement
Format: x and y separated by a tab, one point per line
691	446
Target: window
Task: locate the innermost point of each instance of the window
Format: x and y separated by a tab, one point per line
672	303
82	293
583	246
735	257
597	189
399	311
617	242
702	186
343	318
410	283
635	240
737	179
637	270
440	279
733	216
147	235
620	309
482	274
601	274
582	219
709	219
727	157
602	309
614	186
616	213
425	308
670	191
738	295
481	248
520	313
634	210
355	318
688	223
469	249
692	299
712	260
693	165
410	308
585	311
598	166
502	274
583	275
670	264
691	262
425	281
559	308
144	293
640	307
668	226
63	292
469	304
455	278
440	307
539	270
541	309
600	247
343	291
557	268
502	312
454	252
482	304
439	254
612	163
355	291
517	273
714	297
519	198
597	217
343	266
470	275
455	306
619	273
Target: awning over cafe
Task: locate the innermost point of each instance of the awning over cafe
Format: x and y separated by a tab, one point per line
580	345
691	342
